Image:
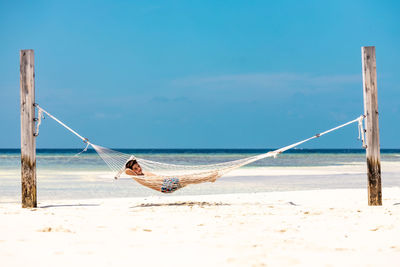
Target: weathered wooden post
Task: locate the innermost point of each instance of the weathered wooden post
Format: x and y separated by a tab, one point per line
371	125
28	144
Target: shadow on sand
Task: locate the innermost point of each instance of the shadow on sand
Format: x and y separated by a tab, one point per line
68	205
184	203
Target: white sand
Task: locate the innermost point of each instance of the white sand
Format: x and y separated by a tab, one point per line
304	228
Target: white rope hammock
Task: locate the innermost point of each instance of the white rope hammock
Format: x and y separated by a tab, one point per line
166	177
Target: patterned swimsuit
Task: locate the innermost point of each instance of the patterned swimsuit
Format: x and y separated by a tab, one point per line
170	185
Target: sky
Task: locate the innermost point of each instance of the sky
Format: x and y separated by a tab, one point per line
200	74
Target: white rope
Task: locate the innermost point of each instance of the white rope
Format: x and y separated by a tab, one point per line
319	135
63	124
39	121
361	131
84	150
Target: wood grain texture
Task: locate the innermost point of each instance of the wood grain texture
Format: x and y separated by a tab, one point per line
28	143
372	125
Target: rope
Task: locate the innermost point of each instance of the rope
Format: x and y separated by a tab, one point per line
84	150
39	121
278	151
361	131
85	140
283	149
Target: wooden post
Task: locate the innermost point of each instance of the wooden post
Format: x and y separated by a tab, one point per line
28	144
372	125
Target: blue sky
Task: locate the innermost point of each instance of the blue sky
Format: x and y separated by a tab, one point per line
200	74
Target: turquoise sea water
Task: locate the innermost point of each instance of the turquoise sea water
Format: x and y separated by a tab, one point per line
63	175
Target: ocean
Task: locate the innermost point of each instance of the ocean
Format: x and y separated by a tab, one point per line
63	175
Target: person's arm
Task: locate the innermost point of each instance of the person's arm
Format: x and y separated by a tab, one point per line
130	172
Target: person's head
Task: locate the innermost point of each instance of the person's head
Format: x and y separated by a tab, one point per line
134	166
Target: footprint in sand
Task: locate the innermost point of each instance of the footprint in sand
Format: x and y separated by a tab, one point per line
58	229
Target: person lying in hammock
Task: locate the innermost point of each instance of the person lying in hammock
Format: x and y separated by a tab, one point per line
163	185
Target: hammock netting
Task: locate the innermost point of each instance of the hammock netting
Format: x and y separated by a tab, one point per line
166	177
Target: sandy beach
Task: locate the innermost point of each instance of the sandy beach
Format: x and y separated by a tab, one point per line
298	228
199	133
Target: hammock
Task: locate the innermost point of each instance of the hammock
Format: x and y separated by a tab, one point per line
168	178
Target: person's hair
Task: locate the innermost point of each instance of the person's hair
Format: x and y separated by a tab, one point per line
130	164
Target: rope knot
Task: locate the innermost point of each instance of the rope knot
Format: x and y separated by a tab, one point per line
361	131
38	121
